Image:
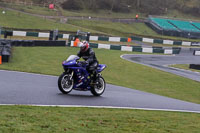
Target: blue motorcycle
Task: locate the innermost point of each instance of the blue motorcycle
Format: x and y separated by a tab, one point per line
76	77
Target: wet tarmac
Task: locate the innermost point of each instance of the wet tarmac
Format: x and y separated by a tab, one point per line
20	88
162	62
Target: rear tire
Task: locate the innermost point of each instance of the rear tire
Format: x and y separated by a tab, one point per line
65	85
99	89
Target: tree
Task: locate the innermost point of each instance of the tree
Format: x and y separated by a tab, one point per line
138	3
72	5
154	7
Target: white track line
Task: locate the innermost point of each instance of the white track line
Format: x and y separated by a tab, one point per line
27	73
103	107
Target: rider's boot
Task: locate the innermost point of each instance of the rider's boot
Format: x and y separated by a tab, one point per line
94	77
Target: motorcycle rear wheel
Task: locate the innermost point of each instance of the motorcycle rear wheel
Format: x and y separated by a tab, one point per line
99	88
65	85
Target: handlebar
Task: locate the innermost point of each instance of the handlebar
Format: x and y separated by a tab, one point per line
83	63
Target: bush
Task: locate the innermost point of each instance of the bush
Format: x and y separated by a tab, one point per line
72	5
153	7
103	4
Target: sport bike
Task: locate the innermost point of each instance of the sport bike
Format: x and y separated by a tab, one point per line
75	76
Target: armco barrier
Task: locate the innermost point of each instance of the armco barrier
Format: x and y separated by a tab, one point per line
49	43
37	43
22	43
9	43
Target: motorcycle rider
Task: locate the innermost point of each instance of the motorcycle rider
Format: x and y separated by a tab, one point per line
89	56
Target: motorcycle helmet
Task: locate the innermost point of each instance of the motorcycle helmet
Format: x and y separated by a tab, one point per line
84	46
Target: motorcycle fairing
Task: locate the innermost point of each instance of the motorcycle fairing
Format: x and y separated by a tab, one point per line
81	76
101	67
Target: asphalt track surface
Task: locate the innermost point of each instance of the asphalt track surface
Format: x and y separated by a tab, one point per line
162	62
34	89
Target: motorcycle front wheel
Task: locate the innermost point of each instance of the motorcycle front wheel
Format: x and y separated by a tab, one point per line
65	84
98	89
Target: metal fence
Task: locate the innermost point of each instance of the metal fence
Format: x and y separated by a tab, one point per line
14	2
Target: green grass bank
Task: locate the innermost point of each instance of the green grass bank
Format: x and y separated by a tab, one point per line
23	119
21	21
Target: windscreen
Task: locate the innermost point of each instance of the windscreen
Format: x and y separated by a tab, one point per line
72	57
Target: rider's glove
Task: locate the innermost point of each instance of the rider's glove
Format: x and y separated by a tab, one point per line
85	63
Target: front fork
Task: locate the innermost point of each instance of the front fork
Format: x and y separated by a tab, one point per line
71	73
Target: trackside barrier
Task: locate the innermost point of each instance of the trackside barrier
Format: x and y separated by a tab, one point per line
194	66
102	38
37	43
160	41
63	36
133	48
9	43
196	53
5	47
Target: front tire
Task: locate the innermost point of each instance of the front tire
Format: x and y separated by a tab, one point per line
99	88
65	85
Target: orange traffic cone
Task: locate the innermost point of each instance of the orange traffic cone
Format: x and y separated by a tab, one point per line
76	42
129	40
0	60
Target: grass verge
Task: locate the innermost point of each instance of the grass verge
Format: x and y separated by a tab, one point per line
25	119
117	29
124	30
47	60
19	20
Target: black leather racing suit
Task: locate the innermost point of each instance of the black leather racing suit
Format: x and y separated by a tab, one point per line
90	58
